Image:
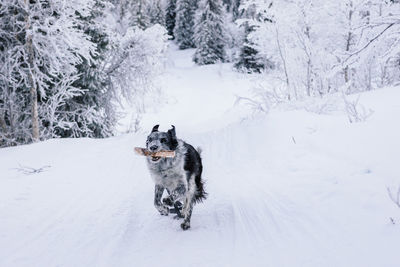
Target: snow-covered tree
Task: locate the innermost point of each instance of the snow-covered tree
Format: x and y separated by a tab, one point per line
209	33
170	17
256	14
184	24
43	46
135	59
376	54
134	62
156	11
65	65
232	7
319	48
93	116
140	16
249	60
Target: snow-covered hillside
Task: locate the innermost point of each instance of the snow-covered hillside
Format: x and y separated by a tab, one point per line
292	188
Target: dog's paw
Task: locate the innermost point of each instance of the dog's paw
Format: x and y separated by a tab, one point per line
164	213
163	210
168	201
185	225
178	205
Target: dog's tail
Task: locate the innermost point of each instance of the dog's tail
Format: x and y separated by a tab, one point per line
201	194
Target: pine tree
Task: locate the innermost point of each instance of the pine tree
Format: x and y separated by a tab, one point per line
43	46
184	25
140	16
15	102
156	13
209	33
255	16
92	118
232	7
170	17
80	64
248	58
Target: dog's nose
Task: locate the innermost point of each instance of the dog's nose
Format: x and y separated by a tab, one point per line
153	148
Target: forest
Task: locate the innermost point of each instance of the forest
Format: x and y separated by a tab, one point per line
65	66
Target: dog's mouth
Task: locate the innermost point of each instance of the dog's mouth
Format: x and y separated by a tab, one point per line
155	159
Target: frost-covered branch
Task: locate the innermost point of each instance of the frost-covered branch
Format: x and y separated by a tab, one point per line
369	42
355	111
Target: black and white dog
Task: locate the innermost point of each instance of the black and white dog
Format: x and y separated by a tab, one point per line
180	176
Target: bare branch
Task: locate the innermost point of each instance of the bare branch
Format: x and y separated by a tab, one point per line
29	170
369	42
355	111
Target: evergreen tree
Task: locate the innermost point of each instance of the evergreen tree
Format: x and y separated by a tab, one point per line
156	13
209	33
170	17
42	45
140	16
232	7
15	123
64	66
255	16
94	116
248	58
184	25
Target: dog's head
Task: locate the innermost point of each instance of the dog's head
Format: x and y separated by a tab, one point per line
157	141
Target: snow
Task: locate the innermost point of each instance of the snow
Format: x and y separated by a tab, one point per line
291	188
205	95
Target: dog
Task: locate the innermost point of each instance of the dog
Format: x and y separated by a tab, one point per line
180	176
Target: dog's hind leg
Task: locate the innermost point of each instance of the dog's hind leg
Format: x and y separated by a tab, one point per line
158	191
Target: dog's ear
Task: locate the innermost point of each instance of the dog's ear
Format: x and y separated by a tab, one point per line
155	128
172	134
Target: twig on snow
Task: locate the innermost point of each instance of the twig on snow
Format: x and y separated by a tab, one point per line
29	170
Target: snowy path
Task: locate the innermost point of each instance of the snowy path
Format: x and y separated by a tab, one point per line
198	99
291	189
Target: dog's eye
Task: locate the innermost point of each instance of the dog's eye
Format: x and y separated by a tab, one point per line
163	140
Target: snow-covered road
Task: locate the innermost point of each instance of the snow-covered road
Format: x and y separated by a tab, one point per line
289	189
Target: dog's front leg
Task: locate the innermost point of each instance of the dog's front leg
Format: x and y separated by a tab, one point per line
158	192
176	197
187	212
188	203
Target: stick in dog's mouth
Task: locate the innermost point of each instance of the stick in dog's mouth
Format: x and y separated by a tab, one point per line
155	155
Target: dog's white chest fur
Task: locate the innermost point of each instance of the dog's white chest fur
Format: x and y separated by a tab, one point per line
170	172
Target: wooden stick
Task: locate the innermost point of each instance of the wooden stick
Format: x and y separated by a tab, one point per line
162	154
